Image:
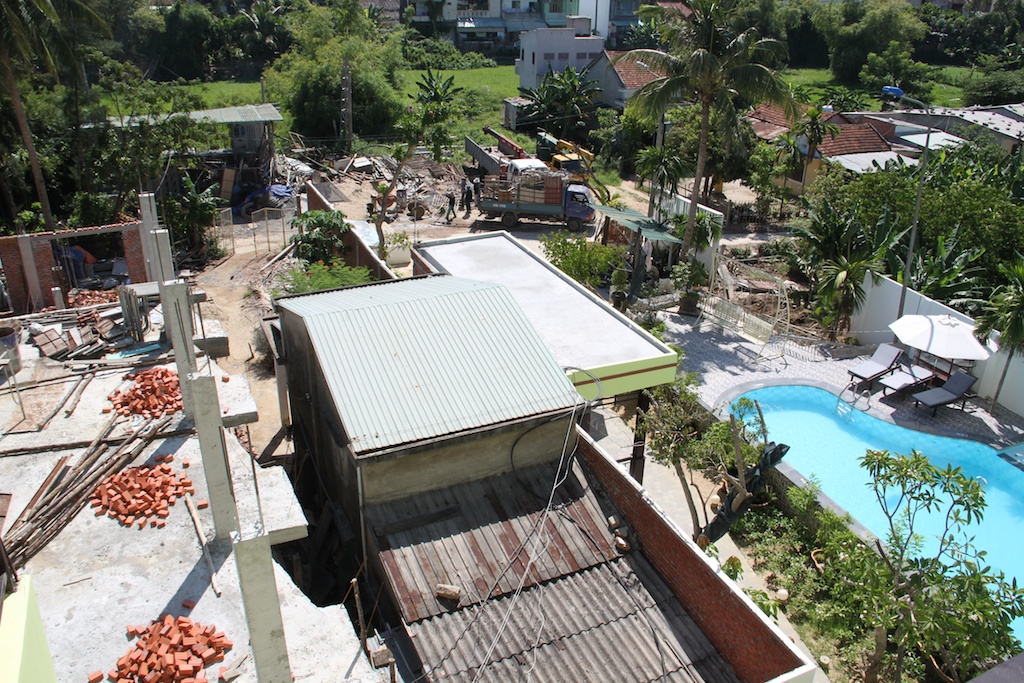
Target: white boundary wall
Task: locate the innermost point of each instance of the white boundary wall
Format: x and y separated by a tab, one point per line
870	325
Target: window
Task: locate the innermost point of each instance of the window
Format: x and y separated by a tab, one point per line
549	56
515	4
623	7
581	55
556	7
533	58
563	56
592	55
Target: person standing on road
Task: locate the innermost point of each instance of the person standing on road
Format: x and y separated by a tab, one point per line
476	190
450	213
468	198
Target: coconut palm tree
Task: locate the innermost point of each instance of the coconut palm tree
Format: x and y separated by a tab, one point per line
841	291
1004	313
709	62
813	128
664	168
29	31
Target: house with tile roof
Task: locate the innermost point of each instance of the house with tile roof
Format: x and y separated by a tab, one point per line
619	78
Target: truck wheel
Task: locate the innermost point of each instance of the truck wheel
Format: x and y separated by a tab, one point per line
509	220
575	225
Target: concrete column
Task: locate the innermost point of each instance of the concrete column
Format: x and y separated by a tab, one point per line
281	374
215	454
163	258
58	298
150	222
28	265
177	314
262	610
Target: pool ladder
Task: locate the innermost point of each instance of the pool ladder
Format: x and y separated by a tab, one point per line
855	397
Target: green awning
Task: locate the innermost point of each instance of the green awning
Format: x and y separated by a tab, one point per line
638	222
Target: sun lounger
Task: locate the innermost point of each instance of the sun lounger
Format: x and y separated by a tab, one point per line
955	389
907	376
882	362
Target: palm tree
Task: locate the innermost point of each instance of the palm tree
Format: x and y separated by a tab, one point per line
709	62
435	100
564	98
841	290
664	168
30	30
1004	313
813	128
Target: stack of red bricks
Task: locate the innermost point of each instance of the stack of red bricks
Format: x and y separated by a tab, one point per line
169	651
155	392
84	297
141	495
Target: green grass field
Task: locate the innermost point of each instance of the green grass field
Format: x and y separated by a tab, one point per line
499	81
228	93
946	86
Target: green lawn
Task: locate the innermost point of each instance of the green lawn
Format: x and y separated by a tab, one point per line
946	88
499	81
228	93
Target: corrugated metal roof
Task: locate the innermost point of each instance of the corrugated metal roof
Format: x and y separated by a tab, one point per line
614	622
870	161
414	359
482	534
248	113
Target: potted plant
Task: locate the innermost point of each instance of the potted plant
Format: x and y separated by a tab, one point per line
620	283
687	278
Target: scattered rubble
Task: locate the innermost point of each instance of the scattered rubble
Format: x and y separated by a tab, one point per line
169	650
141	495
154	392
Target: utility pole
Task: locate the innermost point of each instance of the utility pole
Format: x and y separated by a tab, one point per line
345	120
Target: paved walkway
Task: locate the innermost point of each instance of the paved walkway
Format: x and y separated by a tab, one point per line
725	368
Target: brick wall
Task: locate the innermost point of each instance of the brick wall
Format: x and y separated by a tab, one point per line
314	200
753	650
10	255
42	255
131	239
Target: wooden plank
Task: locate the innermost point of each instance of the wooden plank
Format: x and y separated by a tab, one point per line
5	504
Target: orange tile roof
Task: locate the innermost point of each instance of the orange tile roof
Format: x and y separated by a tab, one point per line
857	138
633	74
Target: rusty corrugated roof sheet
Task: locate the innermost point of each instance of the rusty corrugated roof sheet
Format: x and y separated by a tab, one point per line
481	536
616	621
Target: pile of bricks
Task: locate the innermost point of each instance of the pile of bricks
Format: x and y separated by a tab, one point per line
141	495
85	297
155	391
169	651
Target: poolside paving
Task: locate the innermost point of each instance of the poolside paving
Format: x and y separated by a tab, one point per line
726	367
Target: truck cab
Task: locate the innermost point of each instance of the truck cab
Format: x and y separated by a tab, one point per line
579	204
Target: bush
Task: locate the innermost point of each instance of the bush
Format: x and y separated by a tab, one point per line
319	277
440	54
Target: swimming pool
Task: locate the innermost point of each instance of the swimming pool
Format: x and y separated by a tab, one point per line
826	442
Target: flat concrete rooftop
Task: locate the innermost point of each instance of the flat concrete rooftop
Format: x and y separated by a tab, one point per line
96	576
580	328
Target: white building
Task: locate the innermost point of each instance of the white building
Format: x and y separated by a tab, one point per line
555	49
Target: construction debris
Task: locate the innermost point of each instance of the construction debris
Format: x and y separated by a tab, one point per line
141	495
154	392
58	504
86	297
169	650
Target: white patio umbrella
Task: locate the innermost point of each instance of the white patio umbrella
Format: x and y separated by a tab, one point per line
940	335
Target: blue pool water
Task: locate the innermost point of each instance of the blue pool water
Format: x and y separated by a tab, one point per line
826	443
